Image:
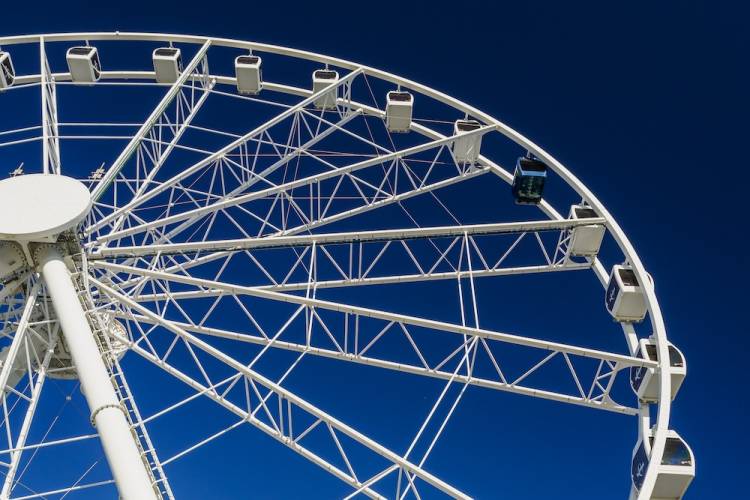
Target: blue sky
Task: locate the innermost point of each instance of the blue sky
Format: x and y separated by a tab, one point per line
645	102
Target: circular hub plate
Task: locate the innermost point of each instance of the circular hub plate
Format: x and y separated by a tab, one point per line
38	206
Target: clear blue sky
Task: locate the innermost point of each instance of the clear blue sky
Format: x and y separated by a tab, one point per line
646	102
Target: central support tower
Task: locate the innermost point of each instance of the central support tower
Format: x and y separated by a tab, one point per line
46	206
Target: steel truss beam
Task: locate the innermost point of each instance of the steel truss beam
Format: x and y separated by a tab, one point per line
624	360
148	126
282	188
283	395
333	238
378	280
295	152
154	145
248	415
357	264
589	399
371	205
218	155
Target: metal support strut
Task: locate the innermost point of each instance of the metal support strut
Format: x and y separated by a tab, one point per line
107	415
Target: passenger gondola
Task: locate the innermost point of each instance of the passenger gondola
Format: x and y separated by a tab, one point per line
7	73
645	381
625	298
323	78
528	180
398	111
167	64
585	241
84	64
248	71
674	473
466	149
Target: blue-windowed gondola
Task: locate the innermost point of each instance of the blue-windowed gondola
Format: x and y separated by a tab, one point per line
528	180
645	381
7	73
674	474
624	298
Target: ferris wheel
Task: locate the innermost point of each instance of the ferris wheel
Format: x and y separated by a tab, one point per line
227	224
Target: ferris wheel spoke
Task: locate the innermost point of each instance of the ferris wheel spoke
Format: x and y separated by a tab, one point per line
186	110
50	134
289	404
152	124
236	145
286	241
355	258
593	395
587	388
316	179
374	204
248	415
373	313
289	155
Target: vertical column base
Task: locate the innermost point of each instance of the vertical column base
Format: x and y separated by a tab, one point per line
130	472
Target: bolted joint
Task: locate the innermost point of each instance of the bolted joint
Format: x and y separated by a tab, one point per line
104	407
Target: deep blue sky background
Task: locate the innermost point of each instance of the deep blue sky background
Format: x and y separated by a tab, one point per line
645	101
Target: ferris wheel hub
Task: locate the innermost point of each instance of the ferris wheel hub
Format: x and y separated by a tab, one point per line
38	207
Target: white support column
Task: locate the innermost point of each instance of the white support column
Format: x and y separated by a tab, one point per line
129	470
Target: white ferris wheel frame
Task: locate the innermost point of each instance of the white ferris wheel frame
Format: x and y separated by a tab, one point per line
51	164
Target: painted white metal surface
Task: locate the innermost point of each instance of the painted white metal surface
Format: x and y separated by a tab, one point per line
247	70
359	236
38	207
107	413
84	64
167	64
662	420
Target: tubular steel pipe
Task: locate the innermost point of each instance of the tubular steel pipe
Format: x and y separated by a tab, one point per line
107	415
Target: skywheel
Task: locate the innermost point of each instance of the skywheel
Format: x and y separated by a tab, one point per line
225	225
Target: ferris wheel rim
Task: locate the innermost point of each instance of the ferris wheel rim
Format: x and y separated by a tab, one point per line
654	311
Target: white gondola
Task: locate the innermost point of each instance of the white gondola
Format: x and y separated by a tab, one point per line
466	149
247	69
585	241
167	64
398	111
674	474
645	381
625	299
83	64
322	78
7	73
